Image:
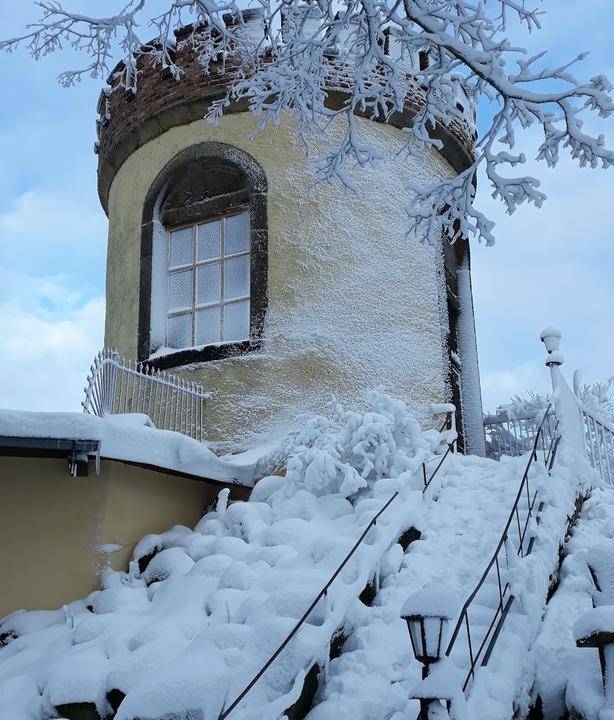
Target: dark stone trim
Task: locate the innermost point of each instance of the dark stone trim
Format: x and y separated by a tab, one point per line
256	182
217	206
453	150
207	354
143	334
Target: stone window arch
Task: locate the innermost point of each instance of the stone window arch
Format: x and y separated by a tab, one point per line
204	258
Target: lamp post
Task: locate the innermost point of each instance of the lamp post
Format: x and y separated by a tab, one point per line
566	404
427	614
551	337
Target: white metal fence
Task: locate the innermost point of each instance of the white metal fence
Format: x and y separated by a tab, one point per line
599	438
514	435
118	385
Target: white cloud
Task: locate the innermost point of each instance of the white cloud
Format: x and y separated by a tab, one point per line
500	386
44	358
51	304
550	266
52	228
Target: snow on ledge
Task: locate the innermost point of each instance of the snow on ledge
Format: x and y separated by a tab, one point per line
434	600
133	438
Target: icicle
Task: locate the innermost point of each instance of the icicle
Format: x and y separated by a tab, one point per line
222	503
326	665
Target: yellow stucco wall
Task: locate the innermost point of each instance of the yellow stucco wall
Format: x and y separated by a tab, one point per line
353	302
52	526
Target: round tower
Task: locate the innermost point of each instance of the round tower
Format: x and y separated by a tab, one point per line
228	263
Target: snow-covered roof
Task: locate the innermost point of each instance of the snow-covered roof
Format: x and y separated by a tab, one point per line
132	438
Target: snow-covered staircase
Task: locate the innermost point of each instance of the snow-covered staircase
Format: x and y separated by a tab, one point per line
237	618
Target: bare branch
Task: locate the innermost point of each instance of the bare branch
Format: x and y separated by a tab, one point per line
380	53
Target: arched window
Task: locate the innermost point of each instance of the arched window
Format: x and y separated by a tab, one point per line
204	258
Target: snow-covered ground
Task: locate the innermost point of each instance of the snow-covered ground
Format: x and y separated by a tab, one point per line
560	667
462	525
200	611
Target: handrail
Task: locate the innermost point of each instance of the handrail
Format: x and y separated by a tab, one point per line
323	591
121	385
503	607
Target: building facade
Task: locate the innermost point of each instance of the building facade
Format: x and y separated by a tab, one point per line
228	263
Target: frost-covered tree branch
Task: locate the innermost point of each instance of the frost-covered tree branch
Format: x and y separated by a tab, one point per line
380	53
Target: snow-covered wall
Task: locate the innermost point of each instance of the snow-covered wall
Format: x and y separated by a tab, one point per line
352	301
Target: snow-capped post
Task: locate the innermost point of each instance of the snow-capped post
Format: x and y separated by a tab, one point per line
427	614
595	628
565	402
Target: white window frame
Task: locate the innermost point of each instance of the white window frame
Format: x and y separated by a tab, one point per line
222	303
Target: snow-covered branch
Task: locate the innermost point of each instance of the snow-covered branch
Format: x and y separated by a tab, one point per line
377	55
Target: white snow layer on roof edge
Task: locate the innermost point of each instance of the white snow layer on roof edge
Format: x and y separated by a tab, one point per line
133	438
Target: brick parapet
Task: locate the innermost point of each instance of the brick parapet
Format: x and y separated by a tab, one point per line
127	120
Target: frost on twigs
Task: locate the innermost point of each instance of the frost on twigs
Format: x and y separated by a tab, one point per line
285	56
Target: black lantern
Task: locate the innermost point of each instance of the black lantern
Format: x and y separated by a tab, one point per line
427	613
425	634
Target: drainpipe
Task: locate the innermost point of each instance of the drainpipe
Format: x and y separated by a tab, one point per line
472	414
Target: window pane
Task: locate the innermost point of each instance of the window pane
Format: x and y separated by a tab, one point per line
209	240
236	321
208	284
236	238
208	326
179	331
236	277
181	247
180	290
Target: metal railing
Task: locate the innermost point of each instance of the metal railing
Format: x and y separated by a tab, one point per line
428	478
599	439
513	435
119	385
515	541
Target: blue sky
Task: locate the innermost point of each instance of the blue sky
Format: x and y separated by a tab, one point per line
550	266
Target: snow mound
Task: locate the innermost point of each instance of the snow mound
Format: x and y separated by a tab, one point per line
434	600
200	611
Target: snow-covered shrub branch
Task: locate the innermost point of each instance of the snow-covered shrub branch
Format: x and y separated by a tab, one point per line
379	53
350	452
598	397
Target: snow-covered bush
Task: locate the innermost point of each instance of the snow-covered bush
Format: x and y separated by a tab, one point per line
534	403
356	448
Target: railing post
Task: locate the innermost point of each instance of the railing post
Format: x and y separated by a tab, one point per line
565	402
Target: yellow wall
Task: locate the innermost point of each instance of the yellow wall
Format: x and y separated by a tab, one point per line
52	524
353	302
